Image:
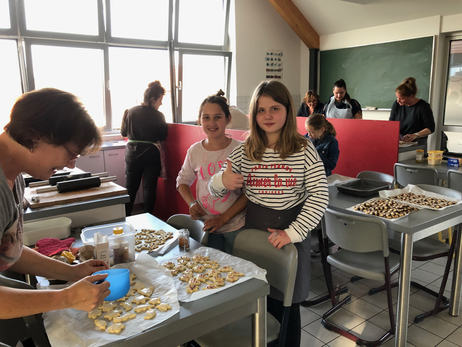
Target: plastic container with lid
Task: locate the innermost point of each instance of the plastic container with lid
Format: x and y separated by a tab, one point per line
435	157
122	234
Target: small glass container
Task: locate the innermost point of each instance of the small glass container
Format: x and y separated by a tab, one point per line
183	239
117	252
419	155
126	251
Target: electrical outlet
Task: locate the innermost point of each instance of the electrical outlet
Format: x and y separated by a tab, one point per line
459	142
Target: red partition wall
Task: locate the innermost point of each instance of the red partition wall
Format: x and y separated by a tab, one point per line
180	138
364	145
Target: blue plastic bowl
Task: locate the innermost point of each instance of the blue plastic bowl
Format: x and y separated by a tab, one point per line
119	280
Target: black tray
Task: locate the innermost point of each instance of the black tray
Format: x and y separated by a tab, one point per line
362	187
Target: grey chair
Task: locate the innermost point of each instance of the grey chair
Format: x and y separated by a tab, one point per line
13	330
363	243
428	249
411	174
454	179
281	267
184	221
378	176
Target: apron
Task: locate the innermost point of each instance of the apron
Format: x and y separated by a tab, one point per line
159	146
333	112
259	217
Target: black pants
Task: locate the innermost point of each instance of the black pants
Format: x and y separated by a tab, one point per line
133	174
294	329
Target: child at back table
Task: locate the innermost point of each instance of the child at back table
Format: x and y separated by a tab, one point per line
225	216
285	184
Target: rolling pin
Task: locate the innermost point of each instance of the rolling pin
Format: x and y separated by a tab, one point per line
54	180
79	184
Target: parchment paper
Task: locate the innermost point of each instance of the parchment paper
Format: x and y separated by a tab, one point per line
375	199
249	269
410	188
71	327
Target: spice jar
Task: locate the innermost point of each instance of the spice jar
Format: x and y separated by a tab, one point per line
419	155
183	239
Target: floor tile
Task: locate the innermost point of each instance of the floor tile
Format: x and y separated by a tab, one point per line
379	300
309	340
318	331
451	319
446	343
391	343
369	331
433	268
318	286
424	276
422	302
307	316
455	337
413	312
363	308
345	319
438	326
342	342
357	289
321	308
422	338
316	270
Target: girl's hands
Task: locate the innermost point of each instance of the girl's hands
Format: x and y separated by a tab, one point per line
232	180
196	211
278	238
84	295
214	224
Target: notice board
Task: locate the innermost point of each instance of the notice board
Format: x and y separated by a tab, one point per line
373	72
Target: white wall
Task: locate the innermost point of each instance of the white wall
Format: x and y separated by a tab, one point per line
259	28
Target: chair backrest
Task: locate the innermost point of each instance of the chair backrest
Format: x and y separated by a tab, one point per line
280	264
184	221
378	176
452	193
356	233
455	180
411	174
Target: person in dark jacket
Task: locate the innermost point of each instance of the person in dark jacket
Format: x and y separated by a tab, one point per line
145	127
310	104
322	133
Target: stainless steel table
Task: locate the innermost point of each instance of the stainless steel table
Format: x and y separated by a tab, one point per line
197	318
414	227
441	168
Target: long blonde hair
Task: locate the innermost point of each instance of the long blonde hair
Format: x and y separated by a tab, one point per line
290	141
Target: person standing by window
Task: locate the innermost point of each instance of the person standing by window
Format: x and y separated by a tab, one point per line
145	127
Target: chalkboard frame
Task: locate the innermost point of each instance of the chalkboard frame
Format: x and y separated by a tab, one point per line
375	87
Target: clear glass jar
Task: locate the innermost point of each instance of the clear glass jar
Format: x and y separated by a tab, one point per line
183	239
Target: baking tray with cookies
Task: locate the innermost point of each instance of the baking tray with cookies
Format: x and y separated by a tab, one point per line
384	208
419	198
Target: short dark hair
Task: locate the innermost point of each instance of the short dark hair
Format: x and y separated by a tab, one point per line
54	116
219	99
154	90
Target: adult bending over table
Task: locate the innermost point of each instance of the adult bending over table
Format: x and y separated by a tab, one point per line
48	130
415	115
340	105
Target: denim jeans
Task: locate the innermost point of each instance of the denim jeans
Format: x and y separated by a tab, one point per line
223	242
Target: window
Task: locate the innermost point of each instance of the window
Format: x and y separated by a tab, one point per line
107	51
72	17
128	84
453	106
10	81
73	69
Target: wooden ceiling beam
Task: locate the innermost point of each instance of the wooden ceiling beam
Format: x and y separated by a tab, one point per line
297	22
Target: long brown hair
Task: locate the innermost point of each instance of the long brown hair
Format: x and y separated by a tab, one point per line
317	121
407	88
290	141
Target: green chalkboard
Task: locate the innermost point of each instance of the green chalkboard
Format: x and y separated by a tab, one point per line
373	72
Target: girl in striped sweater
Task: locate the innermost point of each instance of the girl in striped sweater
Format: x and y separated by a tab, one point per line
285	183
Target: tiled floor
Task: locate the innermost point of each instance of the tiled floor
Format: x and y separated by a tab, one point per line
368	315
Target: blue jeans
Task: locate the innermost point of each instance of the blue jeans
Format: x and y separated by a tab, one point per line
223	242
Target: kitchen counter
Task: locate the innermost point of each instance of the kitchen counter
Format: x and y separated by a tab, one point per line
119	144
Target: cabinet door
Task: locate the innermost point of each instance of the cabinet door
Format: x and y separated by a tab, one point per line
114	160
93	163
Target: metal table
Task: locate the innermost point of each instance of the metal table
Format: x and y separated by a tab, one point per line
414	227
197	318
441	168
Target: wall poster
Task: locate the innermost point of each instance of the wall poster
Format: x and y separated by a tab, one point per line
274	65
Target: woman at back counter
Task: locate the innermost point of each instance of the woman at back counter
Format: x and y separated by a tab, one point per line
414	115
340	105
